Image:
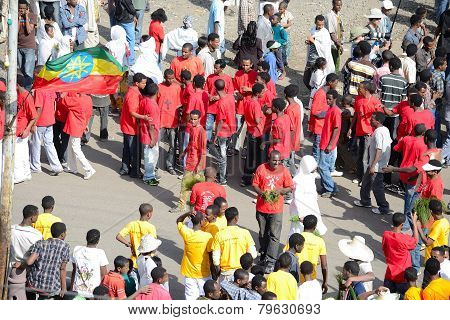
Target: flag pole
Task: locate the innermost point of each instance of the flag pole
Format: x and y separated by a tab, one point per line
8	149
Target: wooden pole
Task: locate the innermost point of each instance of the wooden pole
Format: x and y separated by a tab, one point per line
8	149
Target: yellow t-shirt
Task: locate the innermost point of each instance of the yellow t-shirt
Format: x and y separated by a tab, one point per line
212	228
44	223
136	230
438	289
439	233
221	222
283	284
413	293
232	242
197	246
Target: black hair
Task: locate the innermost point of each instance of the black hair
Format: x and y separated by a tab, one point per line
411	91
432	266
213	36
159	15
265	76
332	77
425	75
365	47
258	281
145	37
279	104
145	208
49	12
57	229
157	273
219	84
221	62
100	291
310	222
415	100
291	91
411	50
348	99
333	93
185	75
420	11
29	211
138	77
219	201
240	274
269	295
264	65
151	89
120	262
188	46
168	72
231	213
398	219
196	112
415	19
440	52
357	53
209	286
411	274
257	88
352	267
306	268
387	55
270	43
419	129
201	42
257	270
420	85
284	260
214	209
199	81
93	236
24	2
431	135
438	61
319	64
439	250
379	116
198	217
267	7
48	202
246	261
47	27
319	18
248	38
395	64
427	40
21	81
435	206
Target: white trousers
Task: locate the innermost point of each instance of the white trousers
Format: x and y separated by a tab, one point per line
22	169
193	287
43	136
75	153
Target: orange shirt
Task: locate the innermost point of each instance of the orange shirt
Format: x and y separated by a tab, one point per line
266	100
128	123
364	108
194	65
226	112
252	111
79	108
115	284
229	88
293	111
319	104
196	149
197	101
204	193
156	31
169	100
242	79
45	99
26	111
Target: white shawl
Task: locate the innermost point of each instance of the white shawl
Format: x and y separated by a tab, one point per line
147	61
64	46
305	200
118	45
323	43
175	39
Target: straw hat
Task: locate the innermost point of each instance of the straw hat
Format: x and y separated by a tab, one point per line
356	32
356	249
149	244
375	13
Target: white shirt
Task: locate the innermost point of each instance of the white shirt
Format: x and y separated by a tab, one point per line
380	139
22	238
87	275
310	290
145	266
209	59
445	269
409	69
364	268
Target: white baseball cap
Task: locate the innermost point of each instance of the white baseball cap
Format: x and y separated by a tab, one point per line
388	5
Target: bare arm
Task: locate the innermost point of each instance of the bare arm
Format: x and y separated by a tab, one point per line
72	277
62	278
103	271
324	267
123	240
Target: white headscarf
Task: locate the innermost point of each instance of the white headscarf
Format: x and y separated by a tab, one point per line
47	49
147	61
118	46
305	200
175	39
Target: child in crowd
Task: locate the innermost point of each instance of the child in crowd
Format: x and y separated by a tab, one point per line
280	35
130	282
156	29
221	221
345	158
114	281
311	288
47	218
318	77
246	262
286	20
414	291
118	46
276	66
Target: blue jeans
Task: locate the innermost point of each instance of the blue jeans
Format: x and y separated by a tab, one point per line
441	6
150	160
25	62
129	29
315	147
221	156
140	18
326	165
410	198
210	119
55	5
416	255
446	146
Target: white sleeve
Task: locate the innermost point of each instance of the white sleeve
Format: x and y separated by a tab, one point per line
216	257
253	252
103	259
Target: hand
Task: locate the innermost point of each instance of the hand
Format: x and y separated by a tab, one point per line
349	133
246	89
33	129
381	290
310	39
17	265
62	292
262	146
146	118
372	170
135	20
436	95
388	169
152	144
348	283
25	133
327	149
324	288
145	290
81	14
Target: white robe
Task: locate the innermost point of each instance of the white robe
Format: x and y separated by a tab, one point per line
175	39
305	200
323	43
118	45
147	61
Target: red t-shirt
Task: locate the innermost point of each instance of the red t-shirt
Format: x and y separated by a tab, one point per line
266	100
396	248
45	99
271	87
364	108
156	31
194	65
157	293
150	108
204	193
281	129
333	119
412	148
242	79
229	88
2	122
419	116
226	112
79	108
403	110
252	111
61	109
293	111
26	111
198	100
169	100
196	148
267	179
128	123
319	104
433	188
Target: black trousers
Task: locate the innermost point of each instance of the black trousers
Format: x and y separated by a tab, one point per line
130	155
60	140
254	158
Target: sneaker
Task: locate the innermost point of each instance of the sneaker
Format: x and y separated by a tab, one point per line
269	267
359	204
355	181
157	176
316	175
327	195
172	172
123	172
337	173
152	182
89	174
55	173
223	183
376	211
179	177
70	171
254	200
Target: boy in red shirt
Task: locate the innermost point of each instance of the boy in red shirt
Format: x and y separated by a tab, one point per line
266	105
198	100
26	118
254	118
113	279
195	153
129	117
219	66
271	177
365	105
169	102
149	132
44	101
263	72
226	127
187	61
418	115
319	108
79	108
204	193
293	112
328	145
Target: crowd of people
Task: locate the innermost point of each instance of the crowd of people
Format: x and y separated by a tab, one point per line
190	118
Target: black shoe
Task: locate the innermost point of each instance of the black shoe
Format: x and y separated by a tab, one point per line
152	182
136	175
123	172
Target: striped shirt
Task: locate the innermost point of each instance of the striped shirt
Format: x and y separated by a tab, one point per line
359	71
393	89
437	81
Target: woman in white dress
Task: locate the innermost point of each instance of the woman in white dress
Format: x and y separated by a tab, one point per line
305	197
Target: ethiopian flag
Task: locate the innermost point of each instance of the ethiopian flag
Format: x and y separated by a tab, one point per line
91	71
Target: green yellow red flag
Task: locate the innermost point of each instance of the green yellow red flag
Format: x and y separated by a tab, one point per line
90	71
